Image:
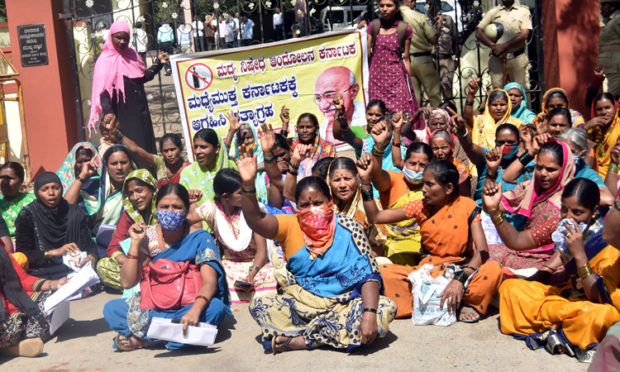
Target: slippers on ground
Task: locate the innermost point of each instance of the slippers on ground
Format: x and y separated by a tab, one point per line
278	347
131	343
467	311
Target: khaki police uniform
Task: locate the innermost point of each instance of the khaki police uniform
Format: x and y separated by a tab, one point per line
609	52
423	70
514	19
444	56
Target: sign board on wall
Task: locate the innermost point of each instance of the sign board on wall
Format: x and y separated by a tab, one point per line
32	45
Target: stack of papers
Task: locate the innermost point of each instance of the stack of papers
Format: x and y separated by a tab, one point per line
83	279
164	329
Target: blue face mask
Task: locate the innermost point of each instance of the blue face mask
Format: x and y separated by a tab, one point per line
414	177
514	149
576	159
170	220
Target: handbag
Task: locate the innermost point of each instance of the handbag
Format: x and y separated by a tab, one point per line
169	285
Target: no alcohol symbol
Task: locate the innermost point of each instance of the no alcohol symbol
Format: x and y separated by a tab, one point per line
198	76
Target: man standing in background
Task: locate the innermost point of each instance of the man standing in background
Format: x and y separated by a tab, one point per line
237	30
197	34
445	49
423	71
609	45
248	31
278	23
508	61
141	39
210	28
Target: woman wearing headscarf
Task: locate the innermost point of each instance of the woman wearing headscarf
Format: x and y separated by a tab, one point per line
537	203
139	193
497	112
211	156
118	87
12	200
25	325
80	177
518	99
49	228
442	144
604	130
554	98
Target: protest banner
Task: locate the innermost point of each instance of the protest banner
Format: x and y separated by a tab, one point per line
255	82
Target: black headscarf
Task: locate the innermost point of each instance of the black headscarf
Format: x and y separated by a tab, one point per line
11	286
59	225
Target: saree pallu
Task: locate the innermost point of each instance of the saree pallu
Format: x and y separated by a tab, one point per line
483	131
604	143
404	242
530	308
376	233
127	318
322	296
445	237
162	176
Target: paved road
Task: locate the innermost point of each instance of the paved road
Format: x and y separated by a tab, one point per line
84	343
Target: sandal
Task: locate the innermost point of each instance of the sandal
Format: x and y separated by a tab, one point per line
285	345
131	343
469	310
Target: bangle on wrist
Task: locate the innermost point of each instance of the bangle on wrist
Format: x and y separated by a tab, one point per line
526	158
464	135
284	132
461	276
268	159
497	219
131	256
375	151
254	268
79	178
292	172
203	297
584	271
251	191
367	195
295	167
396	144
469	103
47	254
370	310
616	205
550	268
491	176
613	168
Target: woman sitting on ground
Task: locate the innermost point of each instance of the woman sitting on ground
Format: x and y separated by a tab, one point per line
395	190
174	240
518	100
345	185
326	269
248	271
449	224
312	144
554	98
80	177
544	312
50	227
497	112
25	324
169	165
12	200
604	129
442	145
211	156
139	193
536	203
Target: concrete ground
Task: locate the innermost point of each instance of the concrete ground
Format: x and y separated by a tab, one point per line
84	343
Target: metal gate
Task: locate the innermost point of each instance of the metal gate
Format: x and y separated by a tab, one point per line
89	20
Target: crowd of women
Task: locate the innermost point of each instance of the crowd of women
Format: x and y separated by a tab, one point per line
522	208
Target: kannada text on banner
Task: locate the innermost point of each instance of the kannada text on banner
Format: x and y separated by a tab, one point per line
255	82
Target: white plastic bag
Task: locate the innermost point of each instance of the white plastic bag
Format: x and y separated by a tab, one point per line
426	300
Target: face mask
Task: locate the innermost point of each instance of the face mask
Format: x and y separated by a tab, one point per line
170	220
510	152
317	223
576	159
412	176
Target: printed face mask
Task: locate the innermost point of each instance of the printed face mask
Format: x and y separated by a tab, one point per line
412	176
171	220
510	152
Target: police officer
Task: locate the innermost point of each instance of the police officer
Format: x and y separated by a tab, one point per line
508	61
445	49
423	71
609	45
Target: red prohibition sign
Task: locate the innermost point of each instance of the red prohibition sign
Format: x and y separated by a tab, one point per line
199	76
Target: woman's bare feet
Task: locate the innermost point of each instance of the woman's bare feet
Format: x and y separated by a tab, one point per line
287	343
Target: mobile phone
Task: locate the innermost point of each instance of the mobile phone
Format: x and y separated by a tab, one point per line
242	284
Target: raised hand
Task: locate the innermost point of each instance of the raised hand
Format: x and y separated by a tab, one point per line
615	153
397	120
491	195
267	138
233	119
137	231
285	115
459	125
247	167
599	70
494	158
163	57
473	86
365	167
380	135
194	196
539	141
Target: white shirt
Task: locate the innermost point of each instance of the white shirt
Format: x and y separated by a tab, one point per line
238	32
223	29
198	26
358	120
277	19
141	40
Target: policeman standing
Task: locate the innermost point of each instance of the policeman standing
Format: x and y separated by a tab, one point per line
445	49
609	45
423	71
508	61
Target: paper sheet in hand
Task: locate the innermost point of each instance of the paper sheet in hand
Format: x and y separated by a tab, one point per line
59	316
163	329
81	280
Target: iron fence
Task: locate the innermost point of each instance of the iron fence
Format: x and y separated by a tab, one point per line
89	20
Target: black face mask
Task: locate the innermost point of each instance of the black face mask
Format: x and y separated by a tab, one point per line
508	3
